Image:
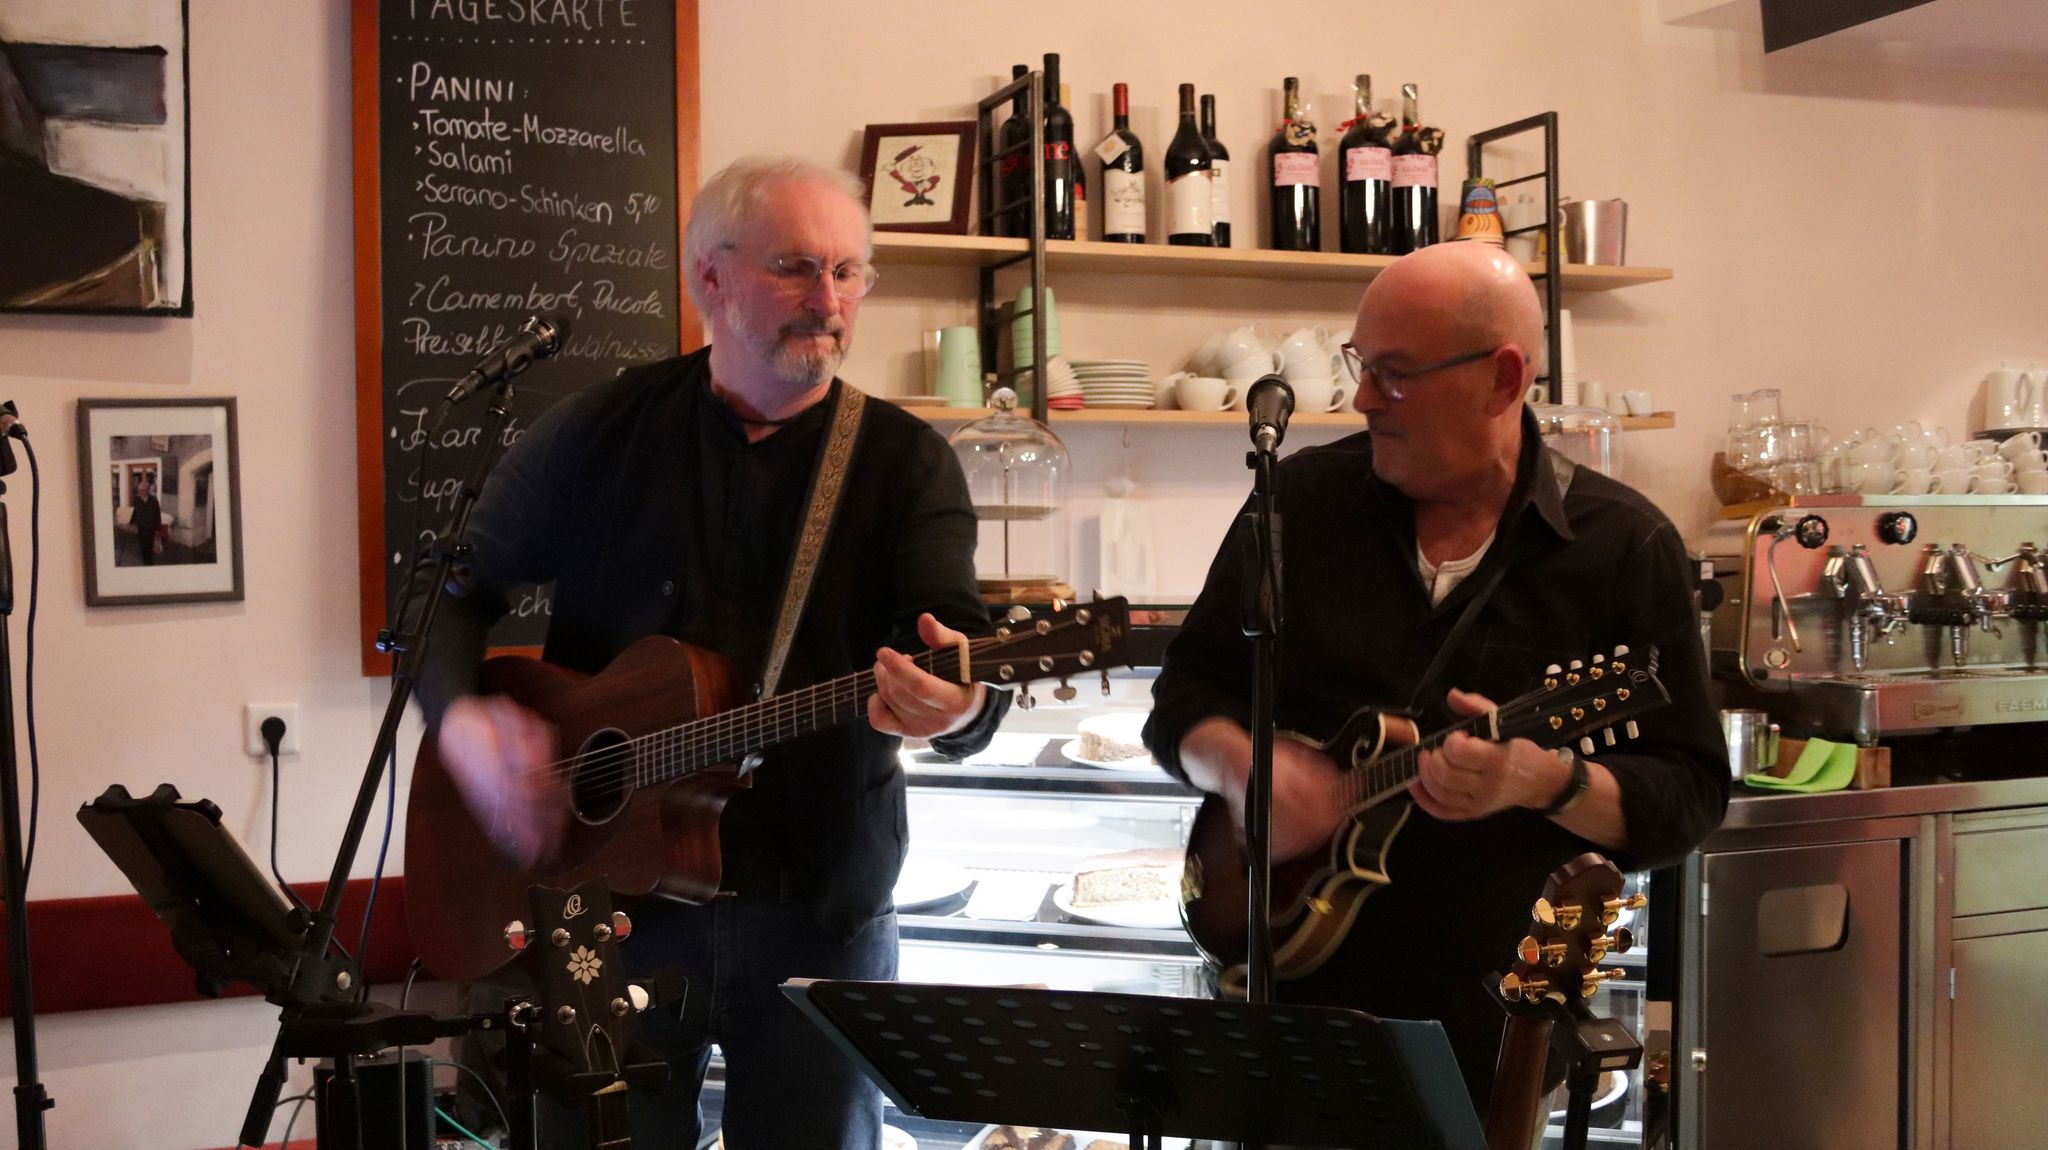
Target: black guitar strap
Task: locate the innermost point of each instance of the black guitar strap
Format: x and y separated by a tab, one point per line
1563	468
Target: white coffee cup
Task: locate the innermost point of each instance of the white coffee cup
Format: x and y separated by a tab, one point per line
1981	485
1238	343
1912	481
1316	395
1869	478
1951	481
1593	393
1205	393
2032	482
1872	451
2020	446
1638	402
2030	462
1203	362
1347	391
1914	455
1253	366
1308	343
1951	458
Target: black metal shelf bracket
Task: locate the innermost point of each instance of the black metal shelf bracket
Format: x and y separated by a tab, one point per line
1553	258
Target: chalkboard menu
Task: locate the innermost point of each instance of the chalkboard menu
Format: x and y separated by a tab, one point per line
513	158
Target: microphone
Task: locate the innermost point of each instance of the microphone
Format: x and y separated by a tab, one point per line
540	337
1270	401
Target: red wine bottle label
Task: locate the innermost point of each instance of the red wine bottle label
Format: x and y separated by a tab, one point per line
1188	207
1415	170
1059	150
1368	164
1110	148
1219	192
1296	168
1123	202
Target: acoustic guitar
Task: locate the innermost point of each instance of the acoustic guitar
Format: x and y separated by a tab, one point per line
655	744
1317	896
1555	972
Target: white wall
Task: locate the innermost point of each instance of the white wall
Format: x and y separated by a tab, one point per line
1866	235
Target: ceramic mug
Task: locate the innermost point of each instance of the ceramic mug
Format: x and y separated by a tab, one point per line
1869	478
1309	344
1204	393
1638	402
2033	482
1982	485
1317	395
2021	446
1251	367
1912	481
1951	481
1951	458
1203	362
2029	463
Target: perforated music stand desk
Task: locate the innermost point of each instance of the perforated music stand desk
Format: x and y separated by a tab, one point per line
1193	1068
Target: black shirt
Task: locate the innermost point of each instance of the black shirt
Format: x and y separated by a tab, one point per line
642	501
1589	568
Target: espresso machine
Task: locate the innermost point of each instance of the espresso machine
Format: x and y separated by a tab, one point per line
1860	617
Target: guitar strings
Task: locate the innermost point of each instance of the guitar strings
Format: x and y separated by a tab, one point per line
709	741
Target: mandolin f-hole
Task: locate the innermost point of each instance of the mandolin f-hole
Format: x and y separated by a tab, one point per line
603	778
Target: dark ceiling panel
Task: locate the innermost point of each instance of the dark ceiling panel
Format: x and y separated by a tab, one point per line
1789	22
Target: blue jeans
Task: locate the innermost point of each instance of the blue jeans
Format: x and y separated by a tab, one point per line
787	1086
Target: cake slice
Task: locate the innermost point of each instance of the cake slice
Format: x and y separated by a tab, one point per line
1138	876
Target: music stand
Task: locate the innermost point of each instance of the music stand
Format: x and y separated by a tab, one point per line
225	916
1149	1065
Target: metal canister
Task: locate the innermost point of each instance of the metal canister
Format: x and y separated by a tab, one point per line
1479	213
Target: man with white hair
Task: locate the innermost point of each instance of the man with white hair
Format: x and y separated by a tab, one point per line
668	501
1446	547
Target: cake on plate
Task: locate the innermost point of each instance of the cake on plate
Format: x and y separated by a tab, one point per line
1138	876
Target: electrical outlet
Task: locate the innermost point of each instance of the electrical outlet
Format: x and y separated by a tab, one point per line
253	715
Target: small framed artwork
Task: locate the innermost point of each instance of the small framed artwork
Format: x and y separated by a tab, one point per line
159	488
919	176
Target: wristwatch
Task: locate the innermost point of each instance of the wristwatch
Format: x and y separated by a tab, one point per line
1574	790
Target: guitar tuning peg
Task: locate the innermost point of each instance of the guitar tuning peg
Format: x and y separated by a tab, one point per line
1543	912
1591	984
1621	941
1064	692
1597	659
1018	614
1575	664
1620	649
1105	684
1553	669
517	935
1059	606
622	927
1633	733
1586	746
1609	735
1535	953
1024	700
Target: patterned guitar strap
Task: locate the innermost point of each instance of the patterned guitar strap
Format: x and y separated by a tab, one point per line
827	482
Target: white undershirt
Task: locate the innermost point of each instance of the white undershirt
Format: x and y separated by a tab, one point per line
1442	580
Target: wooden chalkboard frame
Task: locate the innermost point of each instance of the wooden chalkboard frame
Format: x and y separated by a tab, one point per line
369	274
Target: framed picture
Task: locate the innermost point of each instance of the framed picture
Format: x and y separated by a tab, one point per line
919	176
159	489
96	215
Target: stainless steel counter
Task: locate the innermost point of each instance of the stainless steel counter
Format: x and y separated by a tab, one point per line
1748	810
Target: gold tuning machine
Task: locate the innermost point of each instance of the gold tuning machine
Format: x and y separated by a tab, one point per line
1590	984
1515	988
1566	916
1065	691
1613	907
1617	943
518	935
1535	953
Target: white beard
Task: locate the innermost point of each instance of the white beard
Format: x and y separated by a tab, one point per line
800	369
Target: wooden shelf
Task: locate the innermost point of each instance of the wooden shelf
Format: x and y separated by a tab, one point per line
1165	259
1145	417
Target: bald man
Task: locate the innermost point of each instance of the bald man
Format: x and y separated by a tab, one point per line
1434	563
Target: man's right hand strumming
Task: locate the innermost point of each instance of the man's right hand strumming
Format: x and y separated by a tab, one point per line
502	756
1307	806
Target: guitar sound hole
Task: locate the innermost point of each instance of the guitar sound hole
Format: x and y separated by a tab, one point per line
604	776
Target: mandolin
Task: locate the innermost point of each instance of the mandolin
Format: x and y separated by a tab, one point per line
1556	971
656	744
1317	896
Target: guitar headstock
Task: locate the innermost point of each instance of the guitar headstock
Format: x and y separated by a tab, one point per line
1056	642
1558	961
1588	698
585	1005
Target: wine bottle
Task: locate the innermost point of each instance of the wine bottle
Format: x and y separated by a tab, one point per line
1219	173
1295	179
1014	141
1415	222
1060	194
1365	175
1190	219
1080	170
1123	175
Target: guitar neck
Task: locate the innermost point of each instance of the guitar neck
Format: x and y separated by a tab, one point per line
1393	770
734	734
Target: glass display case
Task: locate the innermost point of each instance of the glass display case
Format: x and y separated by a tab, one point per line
987	894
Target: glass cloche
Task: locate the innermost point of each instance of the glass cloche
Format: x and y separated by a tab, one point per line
1017	479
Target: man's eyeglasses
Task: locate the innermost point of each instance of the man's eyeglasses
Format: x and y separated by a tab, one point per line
797	276
1392	383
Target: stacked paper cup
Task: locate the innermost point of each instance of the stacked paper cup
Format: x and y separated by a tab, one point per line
1568	353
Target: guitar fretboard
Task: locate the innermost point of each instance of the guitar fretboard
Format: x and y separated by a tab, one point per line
1395	769
730	735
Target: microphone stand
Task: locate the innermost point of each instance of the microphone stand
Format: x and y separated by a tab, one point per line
30	1099
310	1012
1262	616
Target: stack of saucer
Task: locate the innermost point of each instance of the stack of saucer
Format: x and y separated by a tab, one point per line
1115	383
